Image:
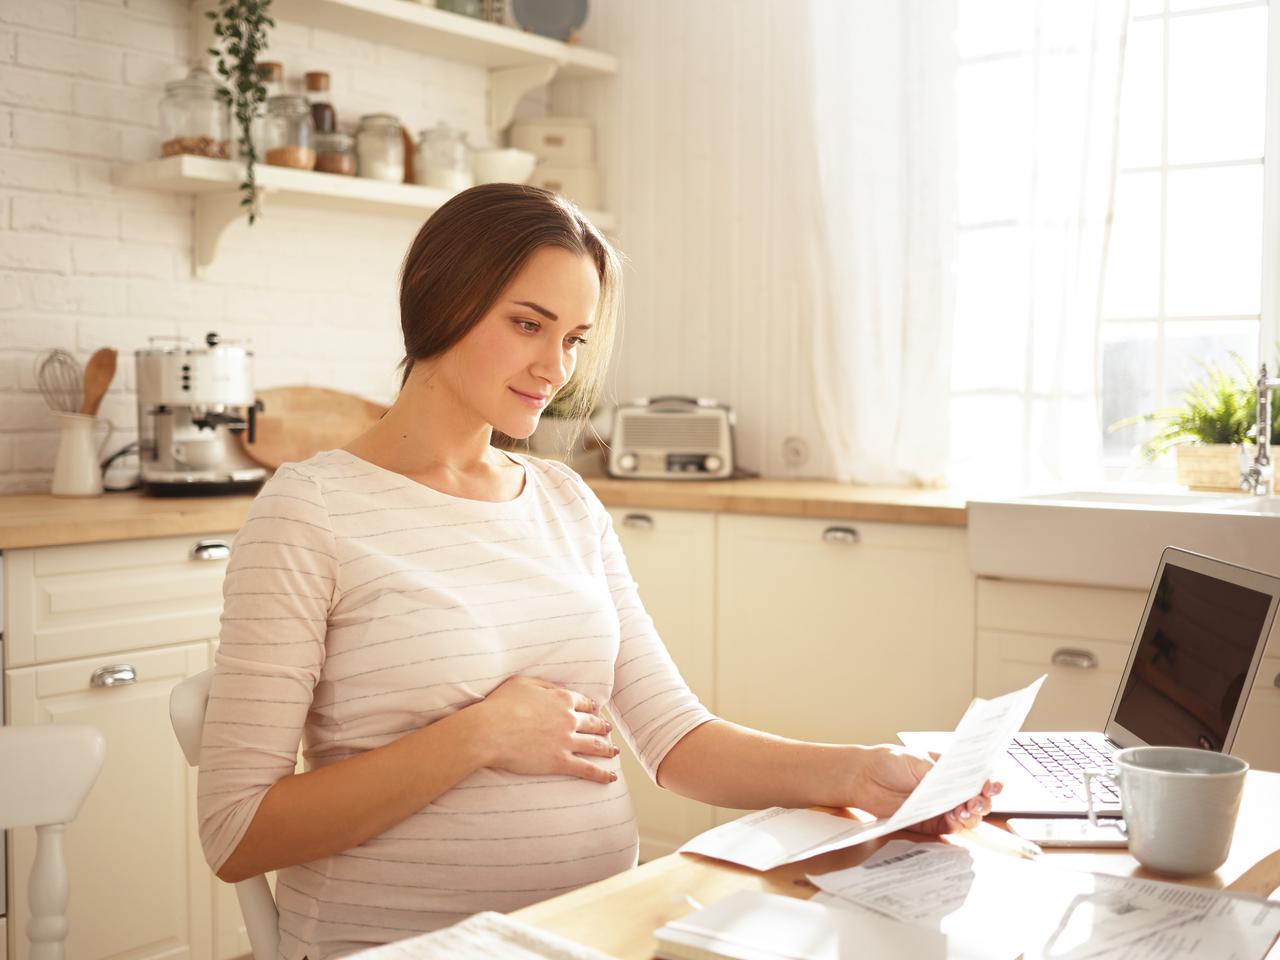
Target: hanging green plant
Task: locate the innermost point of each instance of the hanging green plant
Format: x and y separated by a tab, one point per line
241	27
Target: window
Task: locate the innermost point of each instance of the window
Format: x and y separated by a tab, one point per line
1181	279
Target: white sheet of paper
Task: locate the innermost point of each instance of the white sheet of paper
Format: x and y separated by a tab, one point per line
1067	915
770	838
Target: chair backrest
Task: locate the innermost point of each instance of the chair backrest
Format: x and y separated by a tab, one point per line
49	771
187	705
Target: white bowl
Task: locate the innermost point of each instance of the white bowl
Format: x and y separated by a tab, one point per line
507	165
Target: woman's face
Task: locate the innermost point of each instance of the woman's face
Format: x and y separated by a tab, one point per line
512	363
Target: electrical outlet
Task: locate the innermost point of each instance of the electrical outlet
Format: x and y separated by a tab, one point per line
795	452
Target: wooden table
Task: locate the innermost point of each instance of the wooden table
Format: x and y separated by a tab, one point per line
618	915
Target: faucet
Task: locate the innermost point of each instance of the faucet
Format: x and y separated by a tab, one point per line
1257	478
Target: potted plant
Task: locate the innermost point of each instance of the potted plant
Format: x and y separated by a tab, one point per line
241	28
1211	431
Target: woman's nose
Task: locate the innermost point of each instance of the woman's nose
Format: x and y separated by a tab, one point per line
554	365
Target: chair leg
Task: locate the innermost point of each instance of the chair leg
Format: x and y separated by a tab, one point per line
47	928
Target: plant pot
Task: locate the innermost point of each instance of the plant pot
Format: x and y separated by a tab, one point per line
1212	466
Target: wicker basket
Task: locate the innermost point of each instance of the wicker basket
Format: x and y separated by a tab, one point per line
1212	466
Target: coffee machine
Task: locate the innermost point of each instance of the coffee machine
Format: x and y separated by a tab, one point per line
193	404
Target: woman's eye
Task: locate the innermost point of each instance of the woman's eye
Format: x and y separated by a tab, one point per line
528	326
577	341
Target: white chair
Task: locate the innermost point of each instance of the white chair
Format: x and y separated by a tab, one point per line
187	704
48	772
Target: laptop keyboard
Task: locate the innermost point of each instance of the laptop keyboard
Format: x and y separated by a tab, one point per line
1057	763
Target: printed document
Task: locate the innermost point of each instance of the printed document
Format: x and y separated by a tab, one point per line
770	838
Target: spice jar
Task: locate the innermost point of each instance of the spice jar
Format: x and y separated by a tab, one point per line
322	114
336	153
288	134
444	158
380	148
193	119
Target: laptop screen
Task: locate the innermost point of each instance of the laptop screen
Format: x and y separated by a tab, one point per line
1193	660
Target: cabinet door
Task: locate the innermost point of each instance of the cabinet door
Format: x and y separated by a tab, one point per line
140	887
840	631
1079	636
671	554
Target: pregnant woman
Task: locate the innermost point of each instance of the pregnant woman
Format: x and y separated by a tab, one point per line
453	629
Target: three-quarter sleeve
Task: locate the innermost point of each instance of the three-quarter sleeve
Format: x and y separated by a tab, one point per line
279	588
652	705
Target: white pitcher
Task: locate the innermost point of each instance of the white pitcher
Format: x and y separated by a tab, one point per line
76	472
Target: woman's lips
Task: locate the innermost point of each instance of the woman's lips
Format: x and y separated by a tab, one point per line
536	402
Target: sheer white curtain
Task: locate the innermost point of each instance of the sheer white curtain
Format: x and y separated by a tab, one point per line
1038	105
876	219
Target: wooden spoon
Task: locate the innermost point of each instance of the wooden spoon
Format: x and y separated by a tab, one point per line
98	375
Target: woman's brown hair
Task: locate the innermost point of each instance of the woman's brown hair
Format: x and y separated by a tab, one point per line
467	253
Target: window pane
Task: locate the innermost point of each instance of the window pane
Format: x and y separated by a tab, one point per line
1214	260
993	140
1128	384
1141	108
989	348
1133	254
1142	8
1179	5
1217	85
1190	345
984	27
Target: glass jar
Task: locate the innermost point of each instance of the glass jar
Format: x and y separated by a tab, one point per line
193	118
288	136
444	159
380	148
336	153
322	114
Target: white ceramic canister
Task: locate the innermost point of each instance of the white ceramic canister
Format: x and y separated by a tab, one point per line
579	184
562	141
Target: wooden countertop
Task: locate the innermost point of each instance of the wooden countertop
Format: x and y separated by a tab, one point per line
40	519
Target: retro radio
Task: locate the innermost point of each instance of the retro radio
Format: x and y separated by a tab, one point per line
679	438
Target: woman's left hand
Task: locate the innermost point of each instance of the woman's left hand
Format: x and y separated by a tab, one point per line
887	774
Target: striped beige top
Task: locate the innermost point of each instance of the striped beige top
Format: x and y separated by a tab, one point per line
360	605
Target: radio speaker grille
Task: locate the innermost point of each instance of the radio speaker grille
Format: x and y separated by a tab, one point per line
677	432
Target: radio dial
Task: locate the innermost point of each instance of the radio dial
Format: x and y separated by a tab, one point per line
712	463
627	461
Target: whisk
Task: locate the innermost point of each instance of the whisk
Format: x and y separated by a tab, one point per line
61	381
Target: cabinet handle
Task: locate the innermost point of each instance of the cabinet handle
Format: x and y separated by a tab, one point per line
115	675
841	535
638	521
1276	681
1069	657
210	550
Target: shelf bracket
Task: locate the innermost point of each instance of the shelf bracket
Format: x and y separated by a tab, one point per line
215	212
508	84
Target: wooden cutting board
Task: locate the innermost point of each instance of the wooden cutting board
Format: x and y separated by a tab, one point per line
297	422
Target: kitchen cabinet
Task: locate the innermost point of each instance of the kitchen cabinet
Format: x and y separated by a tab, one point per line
840	631
1081	637
100	634
671	555
139	883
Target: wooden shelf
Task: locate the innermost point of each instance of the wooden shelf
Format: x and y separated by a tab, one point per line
439	33
216	186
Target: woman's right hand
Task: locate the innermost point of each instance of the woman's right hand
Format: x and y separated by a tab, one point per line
537	727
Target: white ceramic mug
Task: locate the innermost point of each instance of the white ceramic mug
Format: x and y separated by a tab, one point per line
76	472
1179	805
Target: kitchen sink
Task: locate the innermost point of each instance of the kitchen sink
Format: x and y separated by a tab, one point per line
1132	498
1113	538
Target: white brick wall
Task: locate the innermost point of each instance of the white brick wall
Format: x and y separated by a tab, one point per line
84	264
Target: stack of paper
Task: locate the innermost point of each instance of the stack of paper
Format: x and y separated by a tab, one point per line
762	926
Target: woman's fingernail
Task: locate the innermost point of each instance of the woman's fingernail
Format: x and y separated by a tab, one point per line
612	776
964	814
616	749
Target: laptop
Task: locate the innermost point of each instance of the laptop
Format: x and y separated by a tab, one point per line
1188	677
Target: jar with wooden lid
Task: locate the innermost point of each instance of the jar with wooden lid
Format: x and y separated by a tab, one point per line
336	153
193	118
322	115
380	148
288	134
